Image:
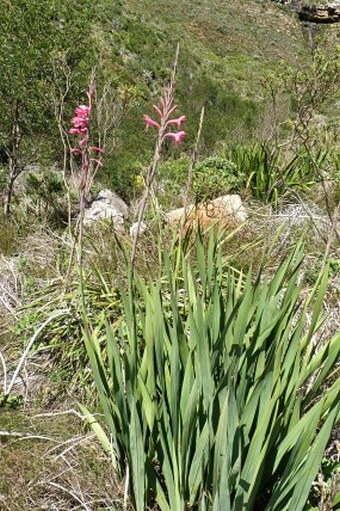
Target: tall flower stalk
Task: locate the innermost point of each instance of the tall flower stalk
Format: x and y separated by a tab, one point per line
164	111
90	156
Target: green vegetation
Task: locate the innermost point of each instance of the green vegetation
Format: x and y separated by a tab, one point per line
202	349
215	176
39	44
201	391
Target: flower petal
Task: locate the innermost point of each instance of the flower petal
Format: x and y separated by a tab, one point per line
178	137
150	122
178	122
97	149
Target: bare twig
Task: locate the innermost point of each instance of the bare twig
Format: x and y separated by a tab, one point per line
26	436
126	487
190	171
4	369
66	490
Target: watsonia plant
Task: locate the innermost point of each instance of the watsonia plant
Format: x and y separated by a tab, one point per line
268	176
211	393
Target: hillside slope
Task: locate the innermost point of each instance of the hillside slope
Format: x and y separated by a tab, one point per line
225	48
241	37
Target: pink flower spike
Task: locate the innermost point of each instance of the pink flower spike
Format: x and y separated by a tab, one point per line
177	137
82	111
99	163
178	122
158	110
150	122
79	122
75	151
83	142
97	149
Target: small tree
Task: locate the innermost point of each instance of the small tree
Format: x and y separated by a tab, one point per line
308	88
32	33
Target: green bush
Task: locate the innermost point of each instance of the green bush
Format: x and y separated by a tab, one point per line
214	176
202	388
123	177
172	178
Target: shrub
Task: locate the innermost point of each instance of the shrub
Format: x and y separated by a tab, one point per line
45	191
173	179
214	176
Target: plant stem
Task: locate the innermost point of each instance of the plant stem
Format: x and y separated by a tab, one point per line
168	103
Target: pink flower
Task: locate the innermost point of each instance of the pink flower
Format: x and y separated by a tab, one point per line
150	122
177	137
83	142
178	122
78	131
80	127
82	111
97	149
79	122
165	110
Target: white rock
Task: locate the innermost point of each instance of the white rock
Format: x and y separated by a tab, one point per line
133	229
232	205
107	204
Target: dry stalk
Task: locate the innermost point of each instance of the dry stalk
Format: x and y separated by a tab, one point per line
58	103
168	104
66	490
193	162
26	436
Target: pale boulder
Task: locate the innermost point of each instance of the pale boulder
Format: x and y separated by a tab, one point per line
227	211
107	204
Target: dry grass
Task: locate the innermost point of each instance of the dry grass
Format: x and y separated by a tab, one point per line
10	286
48	461
52	472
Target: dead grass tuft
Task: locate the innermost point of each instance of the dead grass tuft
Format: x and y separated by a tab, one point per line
43	467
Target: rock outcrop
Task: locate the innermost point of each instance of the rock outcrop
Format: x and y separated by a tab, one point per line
322	13
226	211
107	204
